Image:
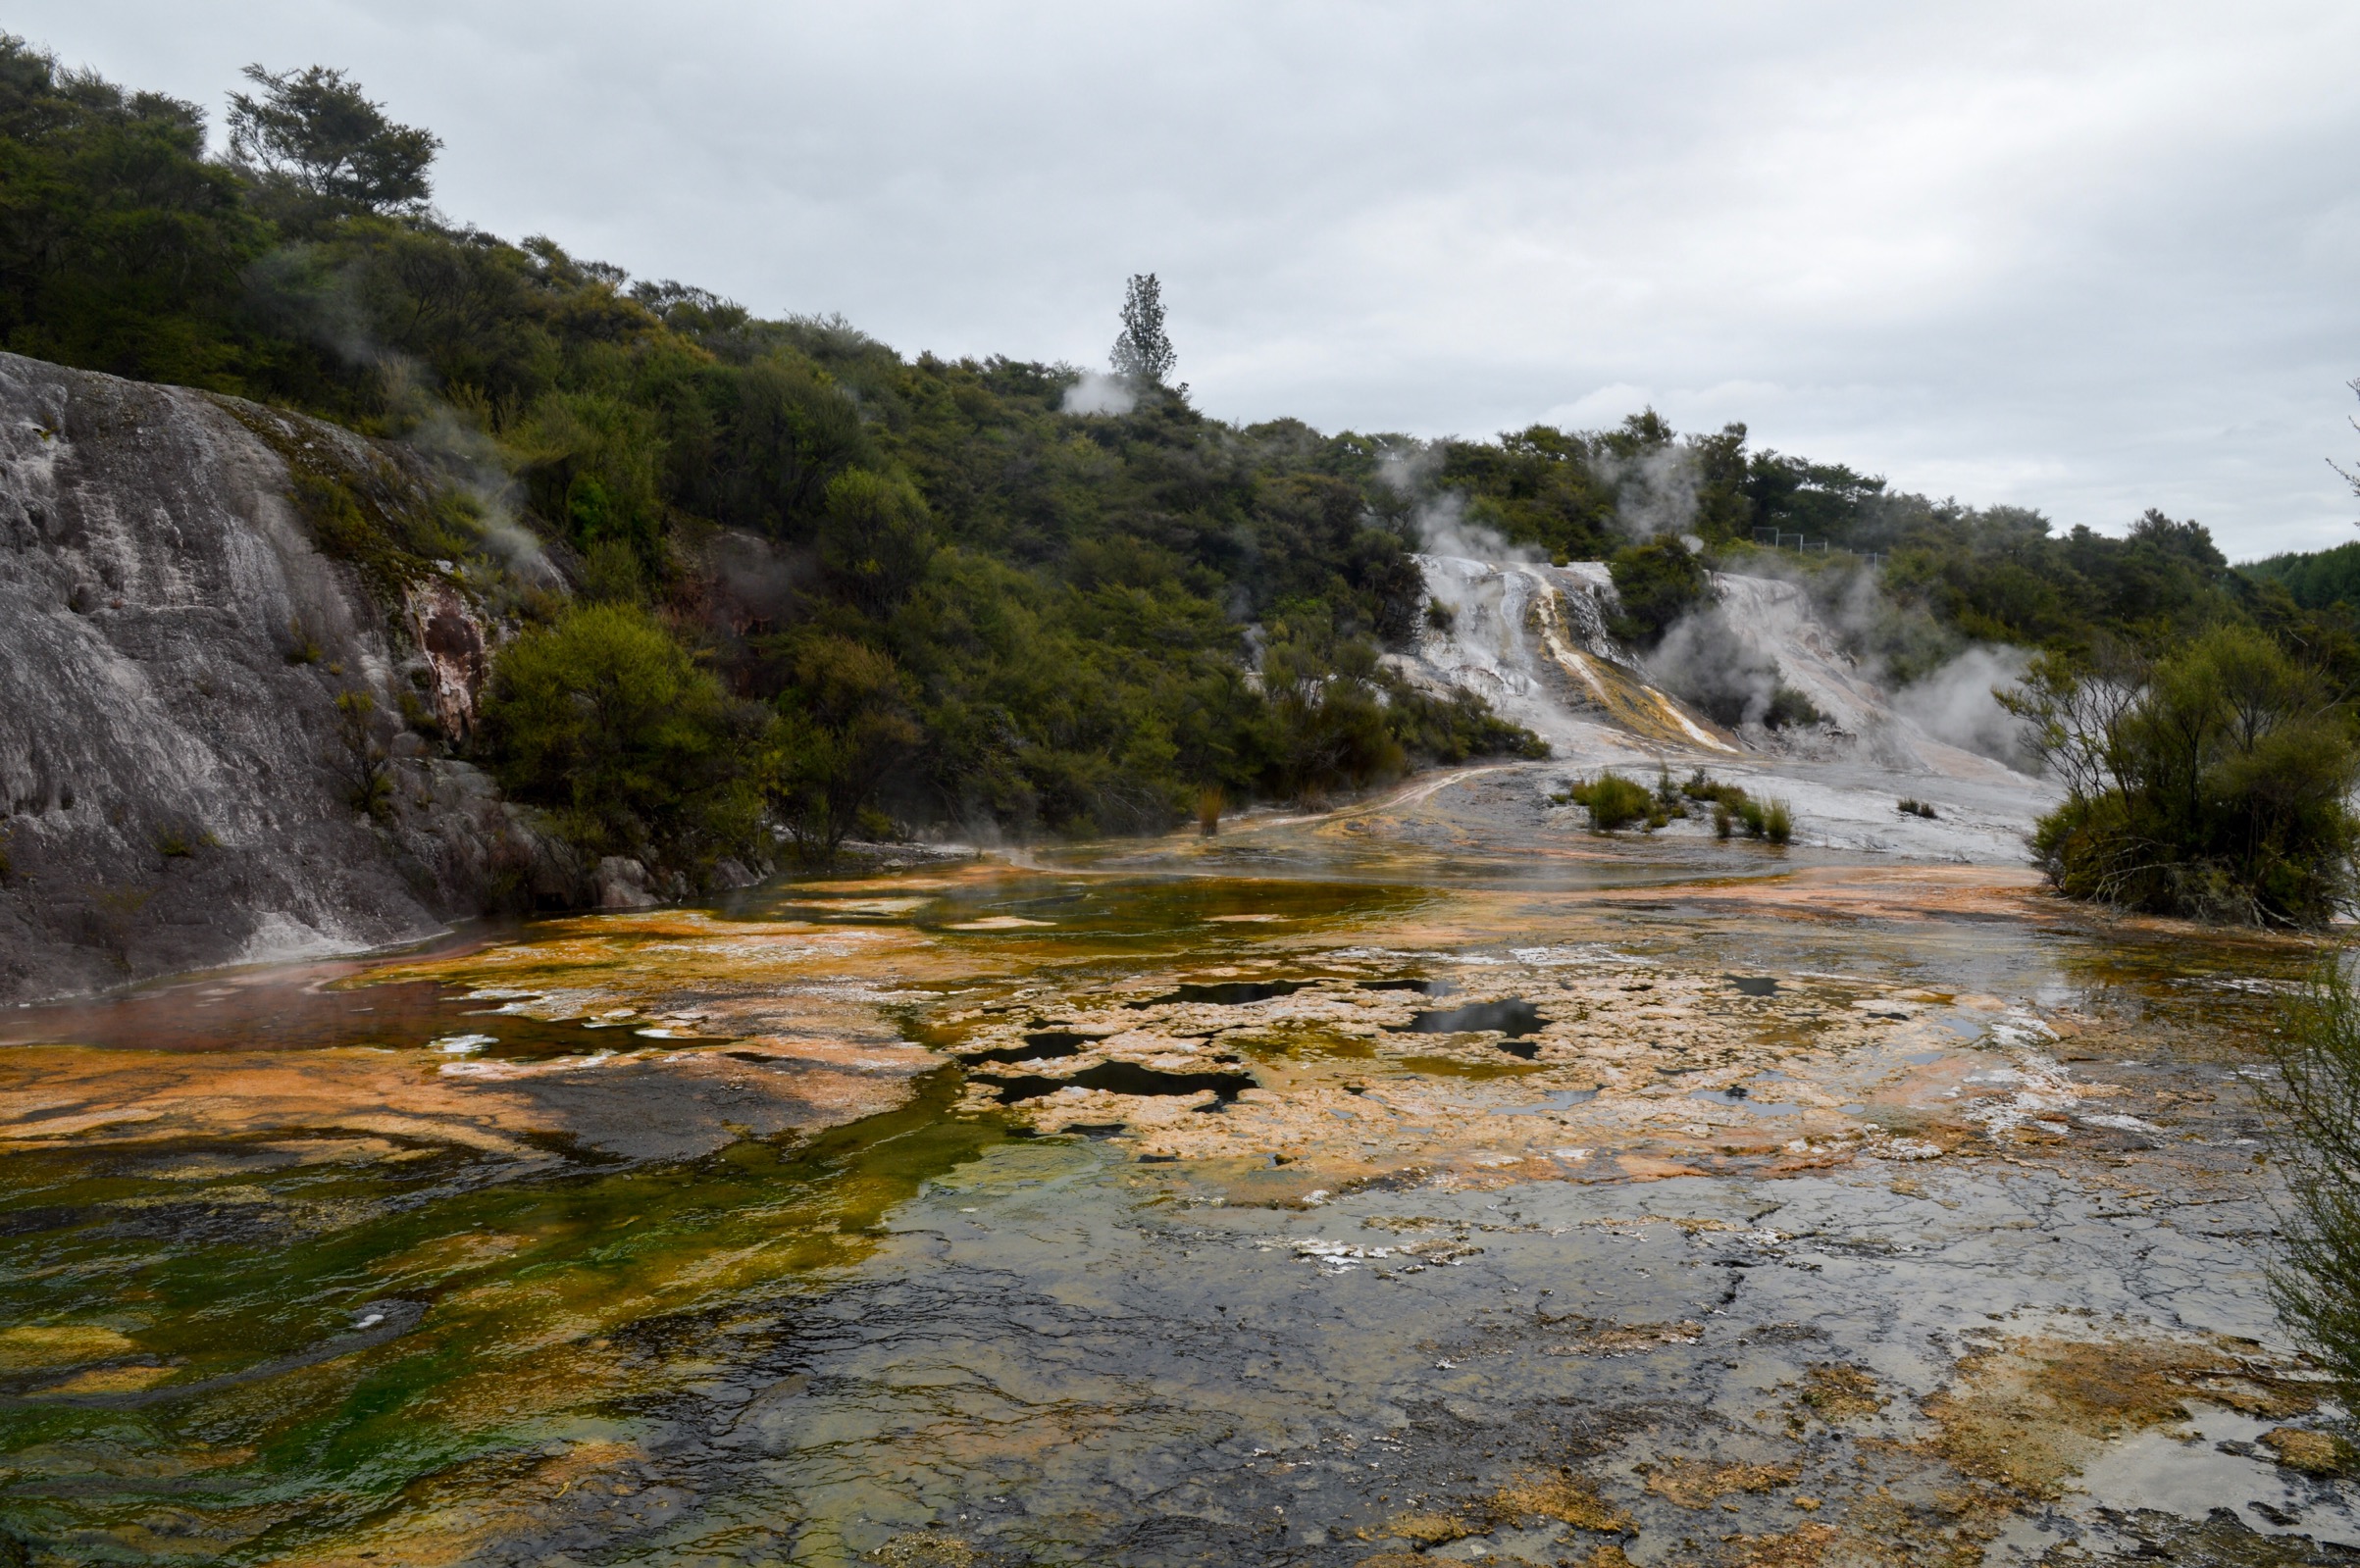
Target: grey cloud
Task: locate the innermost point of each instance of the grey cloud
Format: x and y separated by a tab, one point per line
2088	258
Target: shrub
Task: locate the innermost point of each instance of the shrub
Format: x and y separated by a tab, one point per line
1656	584
2212	784
1916	808
1733	809
1789	709
2316	1279
603	721
1612	800
1328	726
1211	802
361	760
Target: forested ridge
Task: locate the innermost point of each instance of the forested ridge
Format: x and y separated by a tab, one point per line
970	605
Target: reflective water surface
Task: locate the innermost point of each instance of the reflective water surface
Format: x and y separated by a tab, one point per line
1429	1181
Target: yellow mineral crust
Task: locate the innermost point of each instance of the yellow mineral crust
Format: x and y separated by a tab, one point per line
1620	1067
2030	1410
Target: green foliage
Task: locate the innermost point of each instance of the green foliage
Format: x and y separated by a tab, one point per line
1450	730
367	513
604	722
2316	1277
1734	808
2212	782
875	538
314	131
1612	800
1327	725
611	573
1658	584
1912	807
1790	709
843	725
2322	580
121	248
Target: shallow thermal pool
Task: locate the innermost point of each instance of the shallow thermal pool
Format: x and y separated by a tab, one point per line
1432	1183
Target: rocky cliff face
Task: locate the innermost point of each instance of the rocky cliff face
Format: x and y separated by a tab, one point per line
177	782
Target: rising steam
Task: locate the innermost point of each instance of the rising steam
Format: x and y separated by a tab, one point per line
1099	393
1957	705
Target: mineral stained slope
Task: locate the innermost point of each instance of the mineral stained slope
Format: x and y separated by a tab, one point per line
172	644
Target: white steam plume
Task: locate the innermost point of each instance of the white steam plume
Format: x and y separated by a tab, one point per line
1957	705
1654	493
1097	392
1443	528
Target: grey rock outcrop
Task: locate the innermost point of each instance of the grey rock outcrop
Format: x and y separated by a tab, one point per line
176	780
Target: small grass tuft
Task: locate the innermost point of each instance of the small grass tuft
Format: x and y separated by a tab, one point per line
1612	800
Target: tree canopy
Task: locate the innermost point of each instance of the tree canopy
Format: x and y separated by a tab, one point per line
315	129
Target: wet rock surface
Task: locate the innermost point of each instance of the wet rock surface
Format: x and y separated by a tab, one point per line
717	1235
172	645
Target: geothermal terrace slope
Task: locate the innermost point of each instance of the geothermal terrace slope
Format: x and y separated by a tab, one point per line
172	645
1532	639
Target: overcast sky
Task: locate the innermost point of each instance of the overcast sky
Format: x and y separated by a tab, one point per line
2090	258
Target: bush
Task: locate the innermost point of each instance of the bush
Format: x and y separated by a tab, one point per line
1656	584
2317	1279
1733	809
2212	784
1789	709
1612	800
368	777
603	721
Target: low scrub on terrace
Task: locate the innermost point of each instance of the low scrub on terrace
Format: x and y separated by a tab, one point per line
2213	783
1613	801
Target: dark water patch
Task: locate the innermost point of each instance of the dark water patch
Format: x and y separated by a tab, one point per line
1119	1078
1754	985
1423	987
1041	1044
1229	992
1512	1018
1528	1049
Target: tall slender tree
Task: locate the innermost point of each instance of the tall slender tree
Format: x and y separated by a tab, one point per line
1143	351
